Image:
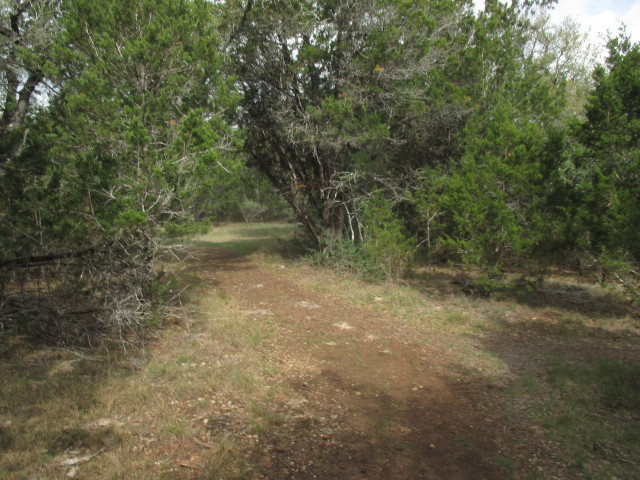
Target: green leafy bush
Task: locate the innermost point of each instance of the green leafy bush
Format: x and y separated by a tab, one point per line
252	210
343	255
181	229
387	241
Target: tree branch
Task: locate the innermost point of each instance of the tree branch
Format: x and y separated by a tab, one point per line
42	259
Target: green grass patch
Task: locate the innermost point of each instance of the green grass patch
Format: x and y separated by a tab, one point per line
506	464
456	318
591	409
619	385
465	442
266	417
226	464
254	238
175	427
606	384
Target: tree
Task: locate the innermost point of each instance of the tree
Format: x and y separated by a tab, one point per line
487	206
568	58
29	36
338	89
604	168
123	149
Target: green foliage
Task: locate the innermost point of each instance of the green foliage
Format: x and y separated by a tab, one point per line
252	211
602	174
31	42
488	206
183	229
486	284
461	117
327	85
126	145
154	71
386	238
345	256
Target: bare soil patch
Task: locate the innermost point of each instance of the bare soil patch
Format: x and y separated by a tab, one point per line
386	406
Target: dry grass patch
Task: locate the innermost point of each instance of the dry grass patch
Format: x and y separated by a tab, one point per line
46	404
182	405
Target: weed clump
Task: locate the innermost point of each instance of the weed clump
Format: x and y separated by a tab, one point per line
345	256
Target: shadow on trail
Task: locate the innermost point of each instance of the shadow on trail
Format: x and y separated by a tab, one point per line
402	422
576	298
582	384
271	230
586	300
387	409
531	347
207	258
406	412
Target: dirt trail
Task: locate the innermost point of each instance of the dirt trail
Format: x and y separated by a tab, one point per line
387	406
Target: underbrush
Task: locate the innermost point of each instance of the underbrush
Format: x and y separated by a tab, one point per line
175	230
345	256
193	397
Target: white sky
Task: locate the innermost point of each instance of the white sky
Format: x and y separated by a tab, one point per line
598	16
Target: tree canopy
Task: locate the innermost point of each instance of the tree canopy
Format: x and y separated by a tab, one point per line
424	129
